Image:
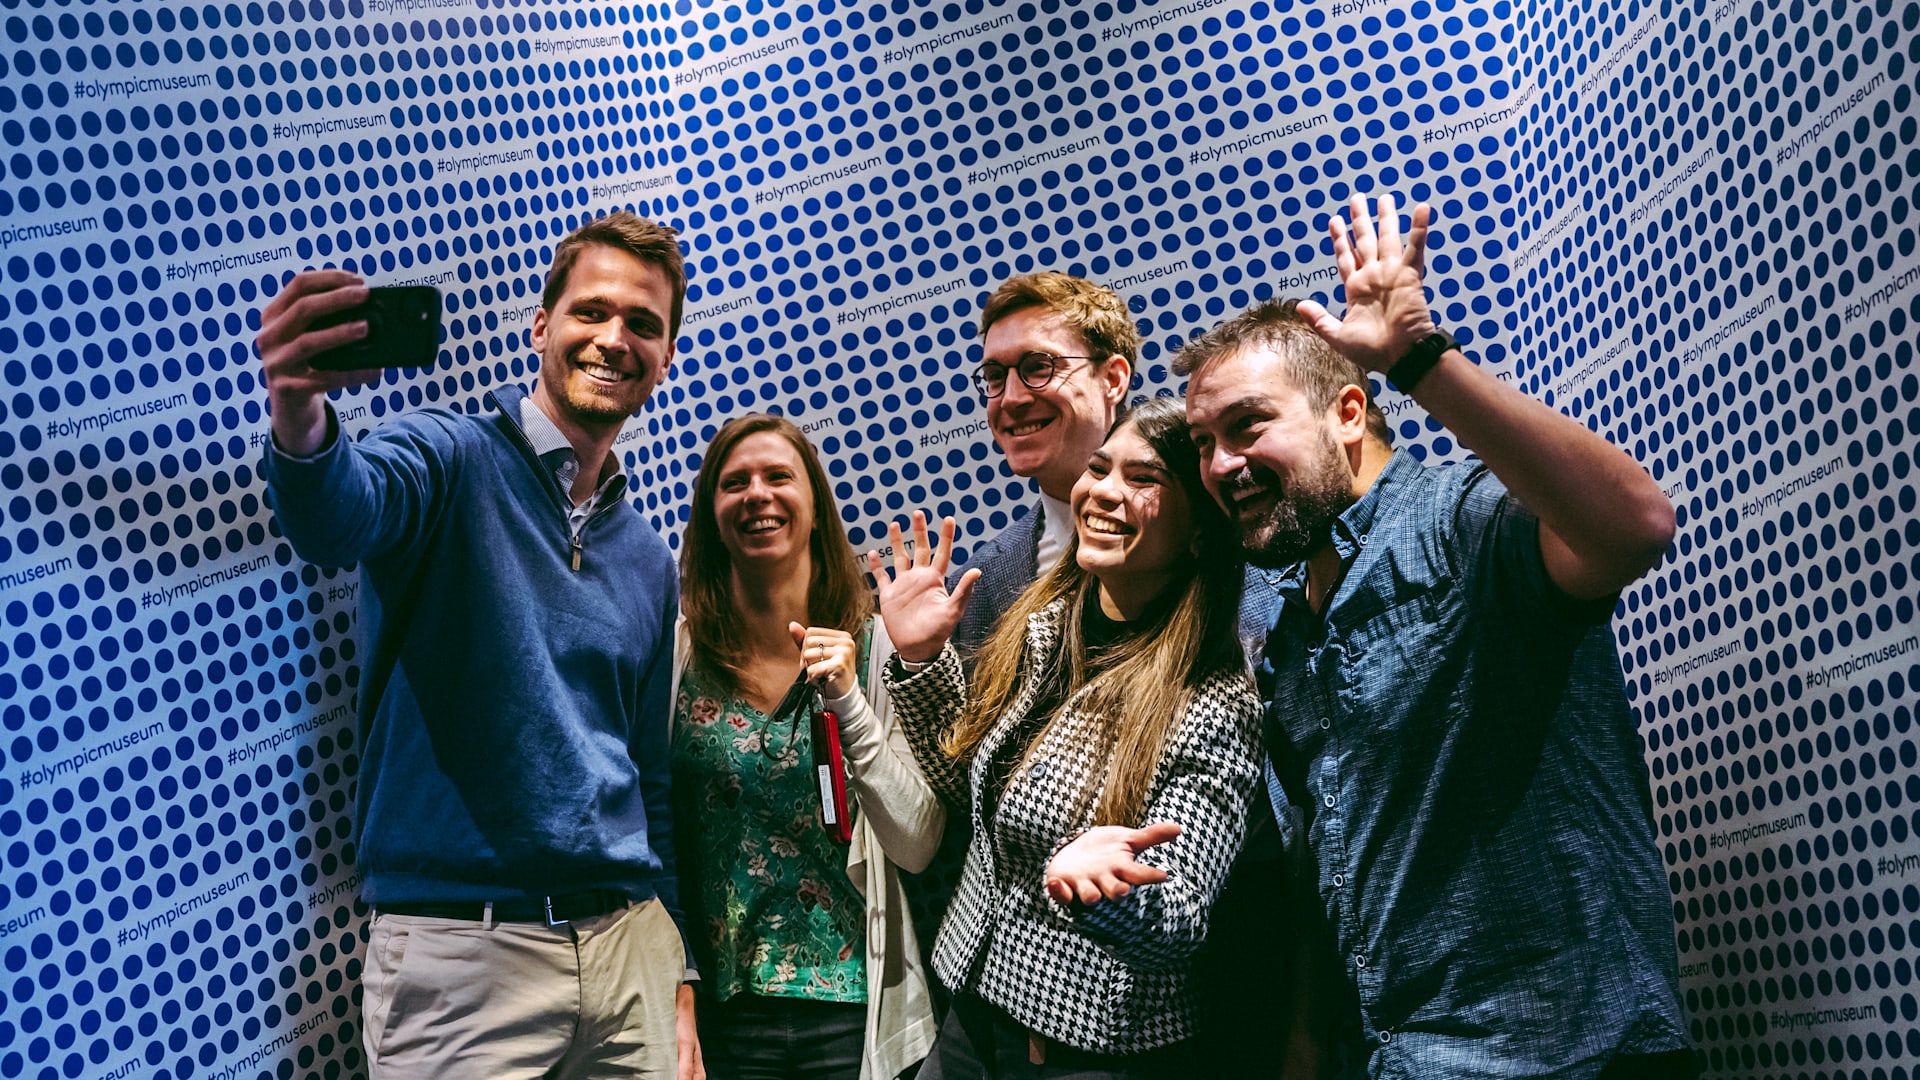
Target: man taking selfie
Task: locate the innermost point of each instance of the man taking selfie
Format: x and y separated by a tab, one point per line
513	825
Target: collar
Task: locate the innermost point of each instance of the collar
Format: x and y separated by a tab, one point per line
1350	529
1054	533
1043	626
541	431
547	439
1058	515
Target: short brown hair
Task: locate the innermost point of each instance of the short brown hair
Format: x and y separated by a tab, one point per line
648	241
1312	364
837	594
1095	312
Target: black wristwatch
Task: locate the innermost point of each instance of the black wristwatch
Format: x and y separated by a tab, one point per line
1419	360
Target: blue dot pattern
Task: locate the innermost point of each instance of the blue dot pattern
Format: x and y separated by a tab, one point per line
1715	269
1687	225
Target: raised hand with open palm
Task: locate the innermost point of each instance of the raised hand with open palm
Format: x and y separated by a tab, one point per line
920	612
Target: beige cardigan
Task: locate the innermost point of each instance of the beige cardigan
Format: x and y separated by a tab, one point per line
899	824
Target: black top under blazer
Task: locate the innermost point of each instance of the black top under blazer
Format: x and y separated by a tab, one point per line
1115	977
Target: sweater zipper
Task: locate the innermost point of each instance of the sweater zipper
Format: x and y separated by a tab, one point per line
577	545
580	538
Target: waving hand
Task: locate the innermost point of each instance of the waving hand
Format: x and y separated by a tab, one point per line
920	613
1386	302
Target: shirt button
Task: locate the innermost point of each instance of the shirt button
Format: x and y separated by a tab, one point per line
1325	723
1339	880
1329	800
1386	1037
1359	961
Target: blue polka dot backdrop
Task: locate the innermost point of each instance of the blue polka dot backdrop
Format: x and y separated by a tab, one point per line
1687	225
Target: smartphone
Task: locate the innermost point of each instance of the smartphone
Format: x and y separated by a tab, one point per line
403	330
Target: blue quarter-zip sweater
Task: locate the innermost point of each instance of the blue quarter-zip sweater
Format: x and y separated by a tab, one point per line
513	710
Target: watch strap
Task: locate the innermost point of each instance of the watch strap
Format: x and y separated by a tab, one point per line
1411	368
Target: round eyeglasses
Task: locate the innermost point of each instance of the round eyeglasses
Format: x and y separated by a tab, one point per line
1036	371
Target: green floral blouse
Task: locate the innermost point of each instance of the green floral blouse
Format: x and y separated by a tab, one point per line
759	874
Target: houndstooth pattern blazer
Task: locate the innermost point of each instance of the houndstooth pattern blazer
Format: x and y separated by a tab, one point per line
1114	978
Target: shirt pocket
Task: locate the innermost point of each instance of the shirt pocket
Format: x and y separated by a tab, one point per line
1391	583
1395	650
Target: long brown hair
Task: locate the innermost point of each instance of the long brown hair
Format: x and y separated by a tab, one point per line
1143	693
837	594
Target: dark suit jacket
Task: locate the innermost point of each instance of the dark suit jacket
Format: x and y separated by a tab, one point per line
1006	564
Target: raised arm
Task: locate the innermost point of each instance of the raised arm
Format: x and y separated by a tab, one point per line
927	702
1603	520
921	613
338	504
351	502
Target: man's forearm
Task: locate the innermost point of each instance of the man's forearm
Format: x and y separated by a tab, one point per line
299	421
1604	521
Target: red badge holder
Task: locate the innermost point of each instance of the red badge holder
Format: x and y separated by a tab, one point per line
830	769
829	766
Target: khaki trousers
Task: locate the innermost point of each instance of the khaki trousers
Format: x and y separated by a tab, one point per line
448	998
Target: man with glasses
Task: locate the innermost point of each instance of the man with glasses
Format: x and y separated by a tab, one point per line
1055	367
1054	370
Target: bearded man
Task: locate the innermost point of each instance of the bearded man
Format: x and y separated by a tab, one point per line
1446	706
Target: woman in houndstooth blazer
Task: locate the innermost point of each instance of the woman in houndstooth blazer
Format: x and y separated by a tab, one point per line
1107	743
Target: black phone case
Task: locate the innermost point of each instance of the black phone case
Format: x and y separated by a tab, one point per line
403	330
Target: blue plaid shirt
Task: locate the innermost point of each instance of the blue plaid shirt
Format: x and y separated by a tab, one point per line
1456	733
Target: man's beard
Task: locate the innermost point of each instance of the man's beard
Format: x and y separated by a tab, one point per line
1301	520
585	406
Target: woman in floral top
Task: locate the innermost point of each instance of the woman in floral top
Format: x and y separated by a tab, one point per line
780	915
778	910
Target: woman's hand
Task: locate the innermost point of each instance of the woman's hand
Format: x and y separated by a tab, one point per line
831	656
920	613
1099	864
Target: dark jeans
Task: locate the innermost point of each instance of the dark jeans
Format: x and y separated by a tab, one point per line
979	1042
749	1037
